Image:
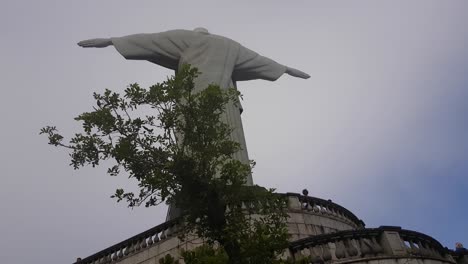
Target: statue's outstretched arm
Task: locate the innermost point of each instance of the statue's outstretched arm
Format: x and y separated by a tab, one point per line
95	43
297	73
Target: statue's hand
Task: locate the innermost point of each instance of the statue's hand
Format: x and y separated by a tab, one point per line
297	73
95	43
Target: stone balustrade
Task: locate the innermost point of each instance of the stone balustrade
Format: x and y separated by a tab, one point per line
364	245
308	216
155	235
324	208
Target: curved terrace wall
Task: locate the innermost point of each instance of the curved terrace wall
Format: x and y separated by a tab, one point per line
307	216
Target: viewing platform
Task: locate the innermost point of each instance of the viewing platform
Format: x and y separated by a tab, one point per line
321	231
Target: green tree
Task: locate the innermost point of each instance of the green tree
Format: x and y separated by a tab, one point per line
182	155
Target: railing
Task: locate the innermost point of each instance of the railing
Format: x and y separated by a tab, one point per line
371	243
158	233
133	244
326	207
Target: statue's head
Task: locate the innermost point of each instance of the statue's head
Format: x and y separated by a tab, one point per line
202	30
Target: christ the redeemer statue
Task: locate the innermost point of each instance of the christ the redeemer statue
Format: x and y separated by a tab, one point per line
221	61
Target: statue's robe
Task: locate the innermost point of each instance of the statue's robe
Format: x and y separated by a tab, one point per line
220	60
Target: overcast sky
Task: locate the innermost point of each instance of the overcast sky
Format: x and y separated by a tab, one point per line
381	127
